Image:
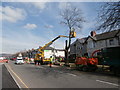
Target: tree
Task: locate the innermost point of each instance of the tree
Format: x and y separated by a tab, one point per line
109	17
72	18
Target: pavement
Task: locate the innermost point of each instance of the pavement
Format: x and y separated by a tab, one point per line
31	76
0	76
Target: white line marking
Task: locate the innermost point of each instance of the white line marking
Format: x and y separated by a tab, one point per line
71	74
66	73
107	82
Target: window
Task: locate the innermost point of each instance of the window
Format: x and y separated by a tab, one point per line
74	44
111	42
19	59
94	44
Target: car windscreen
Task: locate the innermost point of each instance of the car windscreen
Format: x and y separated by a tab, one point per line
19	59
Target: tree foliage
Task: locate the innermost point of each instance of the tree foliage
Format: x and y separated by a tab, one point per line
109	17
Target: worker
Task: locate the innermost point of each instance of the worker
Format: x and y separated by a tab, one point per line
41	60
38	61
60	59
35	62
51	61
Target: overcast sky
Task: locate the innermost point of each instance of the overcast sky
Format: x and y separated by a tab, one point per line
27	25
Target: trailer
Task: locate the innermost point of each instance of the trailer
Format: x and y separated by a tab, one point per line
111	57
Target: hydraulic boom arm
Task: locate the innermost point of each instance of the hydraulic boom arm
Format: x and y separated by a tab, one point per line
46	45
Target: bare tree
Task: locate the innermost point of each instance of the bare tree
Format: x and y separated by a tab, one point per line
109	17
72	18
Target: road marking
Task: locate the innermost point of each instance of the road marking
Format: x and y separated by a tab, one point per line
107	82
17	76
71	74
13	78
66	73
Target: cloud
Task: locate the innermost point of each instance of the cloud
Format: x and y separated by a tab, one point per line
63	5
12	14
48	26
30	26
39	5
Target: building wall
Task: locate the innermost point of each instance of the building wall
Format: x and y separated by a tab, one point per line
92	46
78	48
60	53
48	53
73	48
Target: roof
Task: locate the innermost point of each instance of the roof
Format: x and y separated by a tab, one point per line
107	35
48	48
82	40
60	49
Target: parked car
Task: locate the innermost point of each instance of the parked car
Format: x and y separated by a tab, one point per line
4	60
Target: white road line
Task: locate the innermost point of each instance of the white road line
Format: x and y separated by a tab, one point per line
107	82
71	74
66	73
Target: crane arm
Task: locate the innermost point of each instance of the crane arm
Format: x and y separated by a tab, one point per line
51	42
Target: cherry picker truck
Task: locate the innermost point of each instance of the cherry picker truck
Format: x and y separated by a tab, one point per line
41	50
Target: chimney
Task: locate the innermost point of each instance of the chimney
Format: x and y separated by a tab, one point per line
93	33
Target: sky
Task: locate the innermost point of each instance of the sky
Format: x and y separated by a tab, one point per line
27	25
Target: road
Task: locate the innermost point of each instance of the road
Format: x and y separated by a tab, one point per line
31	76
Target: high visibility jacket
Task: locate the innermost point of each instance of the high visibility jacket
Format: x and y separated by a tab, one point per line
51	59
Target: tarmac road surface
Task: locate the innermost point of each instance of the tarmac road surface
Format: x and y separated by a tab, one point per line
31	76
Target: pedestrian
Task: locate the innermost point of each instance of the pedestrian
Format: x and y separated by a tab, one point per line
51	61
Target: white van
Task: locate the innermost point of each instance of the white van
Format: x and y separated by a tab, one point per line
19	60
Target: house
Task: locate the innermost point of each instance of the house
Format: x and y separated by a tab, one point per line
48	51
86	46
99	41
78	48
